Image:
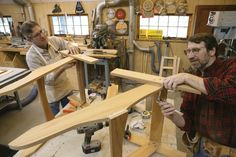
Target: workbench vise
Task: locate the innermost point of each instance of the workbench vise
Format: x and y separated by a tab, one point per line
89	146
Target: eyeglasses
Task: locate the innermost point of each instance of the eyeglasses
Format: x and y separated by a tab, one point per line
193	50
42	31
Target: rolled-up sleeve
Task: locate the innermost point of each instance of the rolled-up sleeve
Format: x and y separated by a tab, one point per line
222	90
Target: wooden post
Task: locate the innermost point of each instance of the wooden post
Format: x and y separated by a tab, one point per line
81	82
44	100
156	121
116	131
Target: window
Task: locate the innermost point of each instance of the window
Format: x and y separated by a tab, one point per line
173	26
71	24
5	25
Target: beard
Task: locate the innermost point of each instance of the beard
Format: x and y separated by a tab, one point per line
198	64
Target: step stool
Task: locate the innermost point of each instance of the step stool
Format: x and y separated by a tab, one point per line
166	66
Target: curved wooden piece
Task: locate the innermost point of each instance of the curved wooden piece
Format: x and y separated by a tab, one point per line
98	112
147	78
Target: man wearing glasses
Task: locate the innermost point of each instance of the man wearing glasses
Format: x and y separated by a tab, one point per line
44	51
209	119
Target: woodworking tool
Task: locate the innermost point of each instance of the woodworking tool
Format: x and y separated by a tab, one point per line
89	146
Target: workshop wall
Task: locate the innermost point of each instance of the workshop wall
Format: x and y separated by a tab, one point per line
43	9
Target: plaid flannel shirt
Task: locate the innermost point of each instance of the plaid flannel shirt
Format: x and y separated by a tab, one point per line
214	115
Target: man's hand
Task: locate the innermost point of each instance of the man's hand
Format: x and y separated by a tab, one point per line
74	50
69	65
171	82
167	109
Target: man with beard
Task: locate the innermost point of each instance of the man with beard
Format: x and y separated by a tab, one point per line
209	119
44	51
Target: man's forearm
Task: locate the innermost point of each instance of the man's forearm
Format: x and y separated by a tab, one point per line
59	71
51	77
178	119
196	82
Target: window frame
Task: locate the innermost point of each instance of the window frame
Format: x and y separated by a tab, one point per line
169	38
9	25
63	35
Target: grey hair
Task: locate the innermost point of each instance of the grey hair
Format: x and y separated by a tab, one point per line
26	28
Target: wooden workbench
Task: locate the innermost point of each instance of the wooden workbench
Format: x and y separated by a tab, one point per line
13	57
21	51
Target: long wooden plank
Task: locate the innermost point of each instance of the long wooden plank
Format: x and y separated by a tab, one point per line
96	51
147	78
108	56
33	76
13	49
100	111
107	51
81	57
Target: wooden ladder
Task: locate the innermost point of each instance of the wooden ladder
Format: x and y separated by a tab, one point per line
166	66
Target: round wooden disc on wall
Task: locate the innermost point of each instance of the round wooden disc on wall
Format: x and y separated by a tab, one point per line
121	27
148	5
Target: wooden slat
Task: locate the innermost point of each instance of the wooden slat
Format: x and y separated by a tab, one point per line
165	67
174	65
13	49
103	110
147	78
162	148
29	151
116	132
93	51
43	98
145	150
33	76
108	56
81	57
112	91
108	51
161	66
139	139
81	81
177	65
